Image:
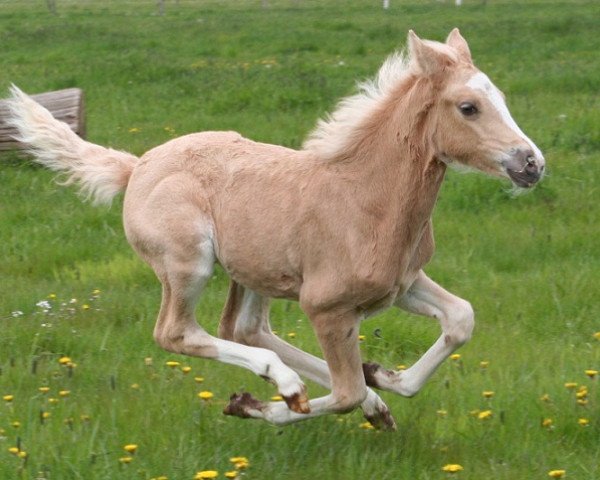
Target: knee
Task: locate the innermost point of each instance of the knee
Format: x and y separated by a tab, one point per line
243	336
347	402
461	323
170	343
249	336
189	341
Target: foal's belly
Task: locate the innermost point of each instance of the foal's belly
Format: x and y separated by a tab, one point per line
270	284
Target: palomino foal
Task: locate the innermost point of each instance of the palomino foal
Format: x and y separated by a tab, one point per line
343	225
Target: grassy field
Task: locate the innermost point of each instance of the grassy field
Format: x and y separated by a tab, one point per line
72	287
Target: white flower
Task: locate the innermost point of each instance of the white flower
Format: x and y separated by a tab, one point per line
44	304
17	313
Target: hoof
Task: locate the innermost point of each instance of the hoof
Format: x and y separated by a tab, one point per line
298	402
382	419
242	405
373	370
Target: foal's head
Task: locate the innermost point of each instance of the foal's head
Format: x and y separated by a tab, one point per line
472	125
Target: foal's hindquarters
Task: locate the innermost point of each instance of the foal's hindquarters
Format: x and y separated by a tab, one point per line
169	221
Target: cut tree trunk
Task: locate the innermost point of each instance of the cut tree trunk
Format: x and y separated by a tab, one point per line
65	105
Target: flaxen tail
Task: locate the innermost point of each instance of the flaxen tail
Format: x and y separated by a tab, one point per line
100	172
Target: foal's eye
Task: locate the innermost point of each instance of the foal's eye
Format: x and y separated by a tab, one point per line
467	109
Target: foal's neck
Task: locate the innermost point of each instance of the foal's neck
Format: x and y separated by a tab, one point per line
394	157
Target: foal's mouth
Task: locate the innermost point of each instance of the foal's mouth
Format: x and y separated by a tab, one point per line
524	179
524	169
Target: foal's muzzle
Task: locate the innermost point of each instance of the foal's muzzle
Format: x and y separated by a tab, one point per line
524	168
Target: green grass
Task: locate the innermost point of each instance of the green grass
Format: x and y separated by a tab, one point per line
529	264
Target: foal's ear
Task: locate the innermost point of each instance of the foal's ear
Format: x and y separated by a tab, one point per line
458	43
431	60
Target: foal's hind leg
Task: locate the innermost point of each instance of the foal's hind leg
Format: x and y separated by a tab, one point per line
455	315
246	320
183	276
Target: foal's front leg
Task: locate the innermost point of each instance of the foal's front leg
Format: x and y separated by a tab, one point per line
246	320
455	315
338	335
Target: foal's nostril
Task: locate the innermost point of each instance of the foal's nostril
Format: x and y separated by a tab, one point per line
525	155
531	167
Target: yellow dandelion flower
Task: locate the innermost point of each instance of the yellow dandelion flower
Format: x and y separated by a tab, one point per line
85	306
172	364
135	386
238	460
571	385
186	369
401	367
130	448
206	395
13	450
276	398
64	393
597	335
8	398
581	393
442	413
198	379
547	422
96	291
366	426
46	415
148	361
484	415
584	422
484	364
206	475
452	468
134	130
292	335
44	389
557	473
15	424
53	400
455	356
582	402
361	338
22	454
126	459
64	360
52	296
545	397
231	474
162	477
242	465
487	394
591	373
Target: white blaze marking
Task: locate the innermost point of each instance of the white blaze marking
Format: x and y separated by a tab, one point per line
480	81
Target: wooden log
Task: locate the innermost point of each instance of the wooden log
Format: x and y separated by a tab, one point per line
65	105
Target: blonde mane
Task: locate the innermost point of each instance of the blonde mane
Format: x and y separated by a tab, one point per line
333	133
